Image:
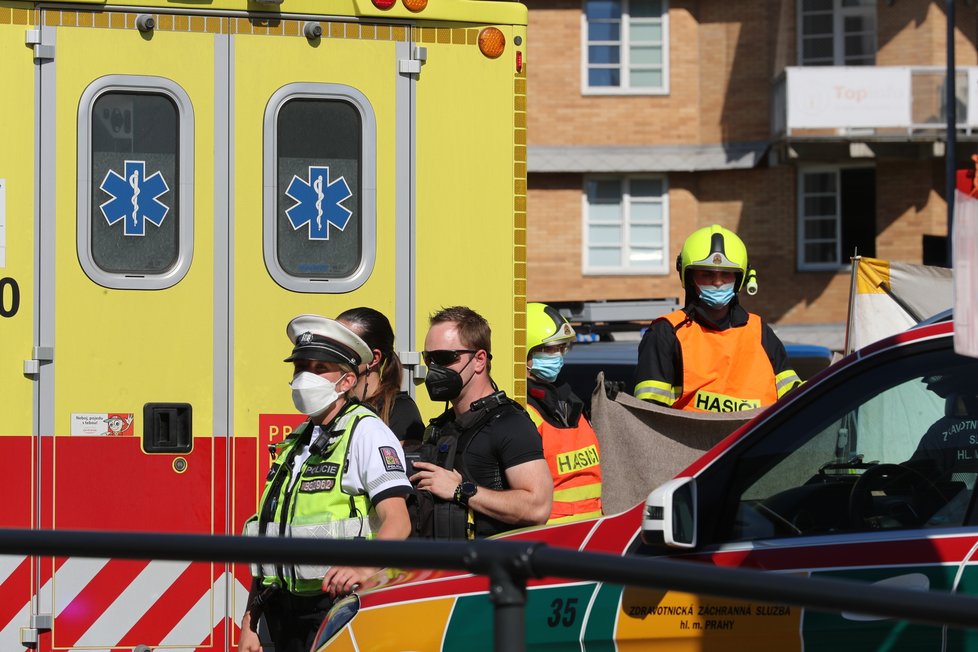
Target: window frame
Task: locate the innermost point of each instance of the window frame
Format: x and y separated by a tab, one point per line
624	88
185	181
368	187
624	270
839	14
800	240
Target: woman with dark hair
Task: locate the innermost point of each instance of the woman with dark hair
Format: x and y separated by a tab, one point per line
380	383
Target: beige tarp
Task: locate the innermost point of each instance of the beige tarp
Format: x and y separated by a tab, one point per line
643	445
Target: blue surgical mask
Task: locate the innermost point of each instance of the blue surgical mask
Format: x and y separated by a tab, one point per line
546	366
716	297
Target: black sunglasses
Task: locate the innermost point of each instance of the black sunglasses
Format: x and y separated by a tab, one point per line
444	357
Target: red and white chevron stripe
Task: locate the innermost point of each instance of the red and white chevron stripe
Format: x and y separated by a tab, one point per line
101	604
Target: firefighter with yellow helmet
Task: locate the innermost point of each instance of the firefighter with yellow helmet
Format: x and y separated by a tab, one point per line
569	443
713	355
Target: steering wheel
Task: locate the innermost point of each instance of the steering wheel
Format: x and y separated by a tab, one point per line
913	497
778	519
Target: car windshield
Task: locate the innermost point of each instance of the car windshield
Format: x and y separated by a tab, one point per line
894	447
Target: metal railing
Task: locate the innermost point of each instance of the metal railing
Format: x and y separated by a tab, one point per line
509	565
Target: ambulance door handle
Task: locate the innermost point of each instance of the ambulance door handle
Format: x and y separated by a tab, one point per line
167	427
41	354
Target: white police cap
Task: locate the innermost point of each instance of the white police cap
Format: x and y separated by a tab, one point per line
318	338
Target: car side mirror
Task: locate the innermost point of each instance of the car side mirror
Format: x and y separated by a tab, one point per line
670	515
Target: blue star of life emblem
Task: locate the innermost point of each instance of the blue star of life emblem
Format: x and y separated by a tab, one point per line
318	202
135	198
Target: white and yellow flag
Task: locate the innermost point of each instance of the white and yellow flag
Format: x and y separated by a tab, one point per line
888	297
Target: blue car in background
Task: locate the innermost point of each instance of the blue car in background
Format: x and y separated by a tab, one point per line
617	359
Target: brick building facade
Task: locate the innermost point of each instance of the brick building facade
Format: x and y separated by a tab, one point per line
649	119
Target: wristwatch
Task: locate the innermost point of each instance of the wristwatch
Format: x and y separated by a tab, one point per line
464	491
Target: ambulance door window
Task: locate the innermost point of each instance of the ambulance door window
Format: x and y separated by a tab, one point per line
319	188
134	211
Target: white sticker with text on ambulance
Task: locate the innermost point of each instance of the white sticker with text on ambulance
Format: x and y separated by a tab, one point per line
102	424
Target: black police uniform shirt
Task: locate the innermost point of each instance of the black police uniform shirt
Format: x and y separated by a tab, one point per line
508	440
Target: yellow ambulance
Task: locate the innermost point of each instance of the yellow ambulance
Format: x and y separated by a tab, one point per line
178	179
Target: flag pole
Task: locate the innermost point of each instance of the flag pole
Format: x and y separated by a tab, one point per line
852	302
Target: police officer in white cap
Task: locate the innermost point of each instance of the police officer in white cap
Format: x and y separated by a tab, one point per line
340	475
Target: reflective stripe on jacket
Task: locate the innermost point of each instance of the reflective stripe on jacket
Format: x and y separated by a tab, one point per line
574	459
314	504
723	371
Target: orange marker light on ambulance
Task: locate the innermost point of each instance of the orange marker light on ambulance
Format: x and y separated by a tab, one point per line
415	5
492	42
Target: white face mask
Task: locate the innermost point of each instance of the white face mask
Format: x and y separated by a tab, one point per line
313	394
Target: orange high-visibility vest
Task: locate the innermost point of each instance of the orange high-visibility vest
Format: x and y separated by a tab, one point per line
723	371
574	459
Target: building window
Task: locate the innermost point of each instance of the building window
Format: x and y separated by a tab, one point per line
837	32
836	216
135	208
626	225
626	46
320	218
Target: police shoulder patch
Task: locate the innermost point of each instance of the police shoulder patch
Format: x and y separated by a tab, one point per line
391	461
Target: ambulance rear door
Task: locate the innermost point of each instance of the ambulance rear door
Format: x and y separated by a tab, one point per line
129	224
321	178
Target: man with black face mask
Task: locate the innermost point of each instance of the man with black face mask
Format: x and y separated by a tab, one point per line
497	470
